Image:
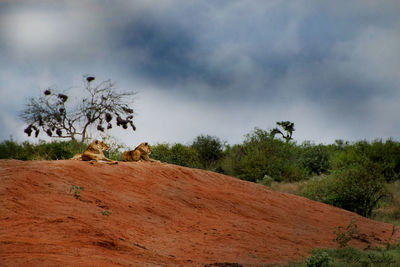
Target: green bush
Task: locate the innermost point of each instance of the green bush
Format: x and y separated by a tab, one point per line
351	257
315	158
358	187
176	154
161	152
266	180
321	188
40	151
386	155
230	164
320	259
261	155
209	150
12	150
58	150
343	236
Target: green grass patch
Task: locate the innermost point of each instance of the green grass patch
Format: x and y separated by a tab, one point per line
348	256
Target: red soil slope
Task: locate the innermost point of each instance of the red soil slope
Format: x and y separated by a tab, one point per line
158	215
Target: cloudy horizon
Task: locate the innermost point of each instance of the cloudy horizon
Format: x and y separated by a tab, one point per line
220	68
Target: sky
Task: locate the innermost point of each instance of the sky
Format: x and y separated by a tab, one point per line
218	68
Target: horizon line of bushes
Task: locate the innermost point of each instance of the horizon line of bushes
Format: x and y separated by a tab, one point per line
347	175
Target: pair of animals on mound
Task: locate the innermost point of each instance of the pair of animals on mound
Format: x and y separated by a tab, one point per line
94	153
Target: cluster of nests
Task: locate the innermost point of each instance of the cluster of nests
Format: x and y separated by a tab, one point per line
108	118
49	132
62	97
120	122
30	129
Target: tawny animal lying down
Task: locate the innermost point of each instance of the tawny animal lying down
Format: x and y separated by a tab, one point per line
140	153
94	153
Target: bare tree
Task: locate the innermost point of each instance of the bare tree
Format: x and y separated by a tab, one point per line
61	116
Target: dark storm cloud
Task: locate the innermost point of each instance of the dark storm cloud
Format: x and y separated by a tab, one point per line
248	51
168	54
323	64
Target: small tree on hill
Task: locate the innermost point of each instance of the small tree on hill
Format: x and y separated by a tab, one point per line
59	116
287	129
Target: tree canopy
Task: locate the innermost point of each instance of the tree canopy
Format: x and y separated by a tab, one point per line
60	115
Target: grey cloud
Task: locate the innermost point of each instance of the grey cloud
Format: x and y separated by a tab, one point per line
276	59
238	52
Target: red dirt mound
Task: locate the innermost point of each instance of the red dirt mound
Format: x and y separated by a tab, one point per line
151	214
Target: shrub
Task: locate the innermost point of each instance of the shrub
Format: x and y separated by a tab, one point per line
106	212
209	150
315	159
161	152
348	256
231	163
58	150
41	151
176	154
320	188
185	156
359	187
12	150
344	236
386	155
321	259
266	180
261	155
76	190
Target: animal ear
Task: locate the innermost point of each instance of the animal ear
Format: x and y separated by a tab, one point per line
97	141
146	144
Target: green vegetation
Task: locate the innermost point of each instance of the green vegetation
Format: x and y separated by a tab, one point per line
106	212
176	154
348	256
388	210
260	155
315	159
76	191
358	187
321	259
40	151
344	236
209	150
55	150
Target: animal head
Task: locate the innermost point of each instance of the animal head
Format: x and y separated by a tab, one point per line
100	145
145	147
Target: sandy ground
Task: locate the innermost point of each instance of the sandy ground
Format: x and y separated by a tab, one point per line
151	214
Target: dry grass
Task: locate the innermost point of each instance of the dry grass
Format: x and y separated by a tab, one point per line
290	188
389	211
